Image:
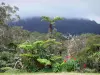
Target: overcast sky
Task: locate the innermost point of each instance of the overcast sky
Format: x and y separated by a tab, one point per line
89	9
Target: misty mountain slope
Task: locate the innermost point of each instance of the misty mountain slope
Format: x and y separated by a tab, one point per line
73	26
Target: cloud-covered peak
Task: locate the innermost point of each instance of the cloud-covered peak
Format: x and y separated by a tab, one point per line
64	8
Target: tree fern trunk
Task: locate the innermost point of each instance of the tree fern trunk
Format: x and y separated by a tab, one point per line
50	30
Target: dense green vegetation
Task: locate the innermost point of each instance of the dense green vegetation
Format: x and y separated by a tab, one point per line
25	51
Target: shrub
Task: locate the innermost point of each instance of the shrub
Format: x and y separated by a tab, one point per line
44	61
91	57
11	70
6	56
40	54
95	61
4	69
2	63
6	59
87	70
70	65
29	62
56	67
56	58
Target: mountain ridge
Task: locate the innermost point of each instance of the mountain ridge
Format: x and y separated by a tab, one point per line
72	26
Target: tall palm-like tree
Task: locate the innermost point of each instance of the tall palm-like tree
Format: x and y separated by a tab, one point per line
51	22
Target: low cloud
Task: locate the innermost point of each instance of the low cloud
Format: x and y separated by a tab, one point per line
66	8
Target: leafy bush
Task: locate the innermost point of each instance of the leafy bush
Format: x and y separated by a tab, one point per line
87	70
40	54
11	70
44	61
2	63
4	69
90	56
29	61
6	59
56	67
56	58
6	56
70	65
95	61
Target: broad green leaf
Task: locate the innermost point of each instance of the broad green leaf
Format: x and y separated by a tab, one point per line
44	61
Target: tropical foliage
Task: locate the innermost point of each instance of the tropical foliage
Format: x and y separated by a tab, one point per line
25	51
